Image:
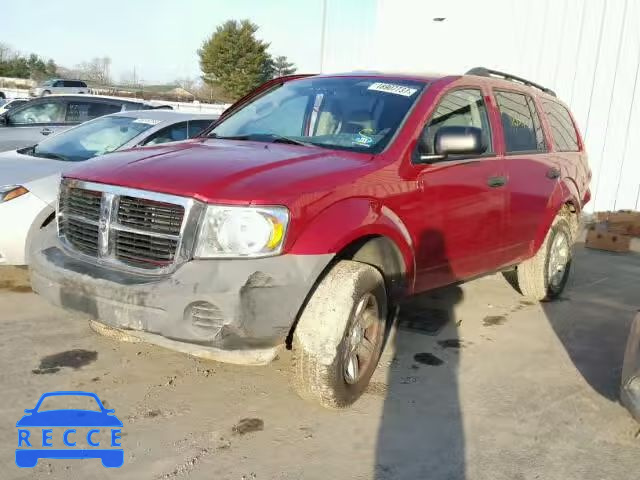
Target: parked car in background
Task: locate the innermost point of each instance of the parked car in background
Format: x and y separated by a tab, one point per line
6	105
29	177
35	120
309	212
58	85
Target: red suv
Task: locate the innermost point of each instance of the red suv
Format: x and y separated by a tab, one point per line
313	206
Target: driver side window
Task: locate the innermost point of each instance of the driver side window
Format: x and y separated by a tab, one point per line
286	119
460	108
43	112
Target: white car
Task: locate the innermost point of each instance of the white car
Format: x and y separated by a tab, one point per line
11	103
29	177
58	85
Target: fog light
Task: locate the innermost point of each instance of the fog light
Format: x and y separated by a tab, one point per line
205	317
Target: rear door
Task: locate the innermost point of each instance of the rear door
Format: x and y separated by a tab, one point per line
532	172
59	87
461	214
79	111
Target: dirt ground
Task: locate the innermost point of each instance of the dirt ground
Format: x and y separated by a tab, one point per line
477	384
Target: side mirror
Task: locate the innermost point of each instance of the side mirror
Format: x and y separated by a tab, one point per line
453	140
28	410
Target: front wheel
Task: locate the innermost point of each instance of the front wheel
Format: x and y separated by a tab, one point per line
340	334
544	276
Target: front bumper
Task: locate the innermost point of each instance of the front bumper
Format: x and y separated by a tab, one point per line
238	310
630	388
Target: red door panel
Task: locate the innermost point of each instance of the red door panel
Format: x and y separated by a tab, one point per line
458	222
529	189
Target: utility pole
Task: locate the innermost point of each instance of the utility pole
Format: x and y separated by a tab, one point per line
322	34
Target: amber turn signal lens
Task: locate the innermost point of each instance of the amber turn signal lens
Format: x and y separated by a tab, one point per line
11	194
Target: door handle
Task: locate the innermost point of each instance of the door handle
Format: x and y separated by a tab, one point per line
46	131
495	182
553	173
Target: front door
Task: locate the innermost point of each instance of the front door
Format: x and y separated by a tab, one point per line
463	199
32	123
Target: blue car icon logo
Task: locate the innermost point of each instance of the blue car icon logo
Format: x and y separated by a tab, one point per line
69	424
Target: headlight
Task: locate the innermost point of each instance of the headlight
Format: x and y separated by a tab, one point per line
9	192
242	231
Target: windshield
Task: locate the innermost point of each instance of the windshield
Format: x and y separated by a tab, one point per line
69	402
359	114
97	137
48	83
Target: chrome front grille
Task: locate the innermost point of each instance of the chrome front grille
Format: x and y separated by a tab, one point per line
150	215
131	229
145	251
83	236
80	202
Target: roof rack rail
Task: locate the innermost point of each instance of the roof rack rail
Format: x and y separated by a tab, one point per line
486	72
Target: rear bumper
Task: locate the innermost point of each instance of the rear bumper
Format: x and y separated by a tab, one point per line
238	311
630	388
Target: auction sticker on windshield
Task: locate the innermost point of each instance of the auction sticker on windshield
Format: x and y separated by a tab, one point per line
146	121
69	433
392	88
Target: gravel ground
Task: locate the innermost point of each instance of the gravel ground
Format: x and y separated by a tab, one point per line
476	384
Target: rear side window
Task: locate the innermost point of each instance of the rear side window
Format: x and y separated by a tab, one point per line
520	123
83	111
563	132
74	83
460	108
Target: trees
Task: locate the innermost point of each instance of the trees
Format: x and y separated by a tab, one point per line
13	64
282	66
234	58
97	70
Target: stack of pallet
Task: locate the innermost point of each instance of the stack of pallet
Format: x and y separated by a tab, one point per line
614	231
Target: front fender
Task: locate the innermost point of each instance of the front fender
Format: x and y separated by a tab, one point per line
565	192
346	221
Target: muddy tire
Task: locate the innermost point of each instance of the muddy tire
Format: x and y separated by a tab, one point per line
340	334
544	276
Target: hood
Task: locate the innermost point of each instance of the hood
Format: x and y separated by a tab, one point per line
225	171
40	176
18	169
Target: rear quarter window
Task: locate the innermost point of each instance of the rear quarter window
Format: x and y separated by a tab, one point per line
563	131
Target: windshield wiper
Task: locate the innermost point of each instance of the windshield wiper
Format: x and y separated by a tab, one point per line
289	140
51	155
274	137
230	137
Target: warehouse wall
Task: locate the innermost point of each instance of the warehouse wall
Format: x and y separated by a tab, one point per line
588	51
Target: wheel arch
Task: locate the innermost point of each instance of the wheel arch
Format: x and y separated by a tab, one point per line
564	200
369	233
44	218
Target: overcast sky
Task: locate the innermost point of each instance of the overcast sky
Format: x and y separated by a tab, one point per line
160	37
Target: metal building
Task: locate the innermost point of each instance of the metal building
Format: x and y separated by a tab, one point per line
588	51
